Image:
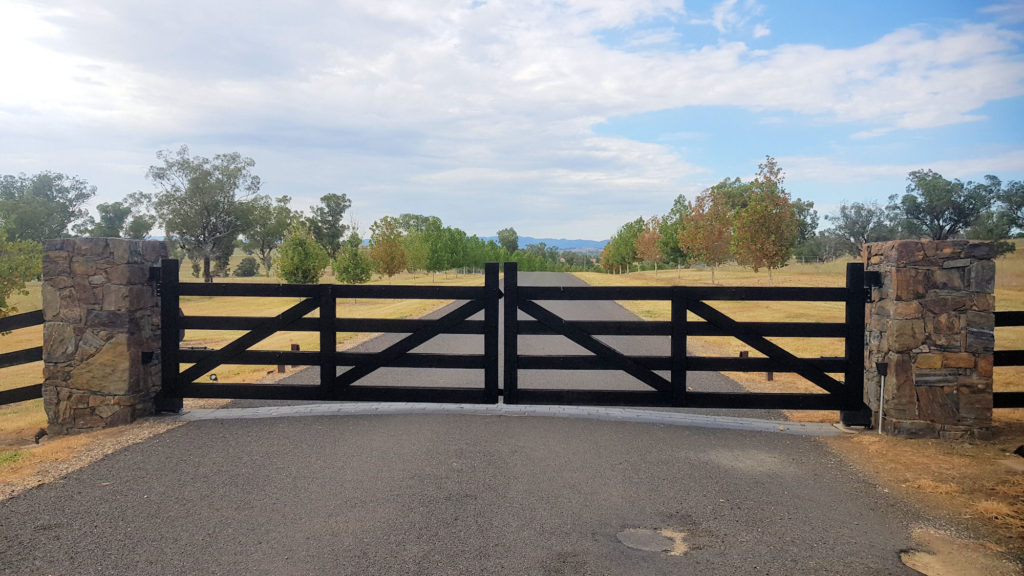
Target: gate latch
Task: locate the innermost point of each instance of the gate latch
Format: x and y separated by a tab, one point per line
154	277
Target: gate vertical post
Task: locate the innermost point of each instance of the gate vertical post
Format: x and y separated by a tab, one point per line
857	412
328	339
511	333
491	332
168	399
678	346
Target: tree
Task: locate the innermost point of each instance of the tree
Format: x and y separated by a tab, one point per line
1011	199
995	227
202	202
706	235
508	239
767	227
247	268
44	205
352	267
857	224
386	246
325	222
647	243
126	218
300	258
670	229
944	208
418	222
268	224
20	262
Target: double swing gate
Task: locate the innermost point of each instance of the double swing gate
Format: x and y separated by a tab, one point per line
664	377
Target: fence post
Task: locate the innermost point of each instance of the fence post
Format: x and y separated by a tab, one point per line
492	294
328	339
679	346
168	398
857	412
511	333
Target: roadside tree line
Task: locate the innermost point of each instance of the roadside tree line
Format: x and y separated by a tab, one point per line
758	225
209	207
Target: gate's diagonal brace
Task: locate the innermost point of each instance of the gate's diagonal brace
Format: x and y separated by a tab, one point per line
410	342
602	350
765	346
242	343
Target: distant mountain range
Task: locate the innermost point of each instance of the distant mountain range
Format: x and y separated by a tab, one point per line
561	243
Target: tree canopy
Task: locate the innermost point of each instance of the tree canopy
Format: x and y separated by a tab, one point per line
44	205
202	202
508	239
325	222
386	246
944	208
268	223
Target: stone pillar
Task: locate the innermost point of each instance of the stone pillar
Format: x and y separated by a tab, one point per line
932	322
102	327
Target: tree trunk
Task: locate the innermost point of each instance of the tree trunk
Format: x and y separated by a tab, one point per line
712	275
769	277
207	276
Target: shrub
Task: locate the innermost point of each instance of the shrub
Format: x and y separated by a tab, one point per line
248	267
300	259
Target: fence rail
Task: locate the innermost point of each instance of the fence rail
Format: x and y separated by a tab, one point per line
19	357
1008	358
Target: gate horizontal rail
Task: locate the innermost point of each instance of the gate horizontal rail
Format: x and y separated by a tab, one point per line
1008	358
19	357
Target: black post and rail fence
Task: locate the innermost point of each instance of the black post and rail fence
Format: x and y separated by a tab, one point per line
19	357
1008	358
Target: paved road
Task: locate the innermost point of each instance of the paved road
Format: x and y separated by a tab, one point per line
447	494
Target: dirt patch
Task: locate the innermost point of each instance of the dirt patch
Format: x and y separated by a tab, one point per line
941	554
56	457
966	483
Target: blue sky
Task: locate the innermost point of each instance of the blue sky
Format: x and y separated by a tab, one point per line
562	119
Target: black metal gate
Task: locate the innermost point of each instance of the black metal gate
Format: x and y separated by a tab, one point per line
179	383
845	395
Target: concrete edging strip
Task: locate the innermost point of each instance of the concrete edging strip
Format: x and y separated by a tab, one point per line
589	412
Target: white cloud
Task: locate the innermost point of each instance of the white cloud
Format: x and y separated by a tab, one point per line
761	30
403	105
1008	12
828	169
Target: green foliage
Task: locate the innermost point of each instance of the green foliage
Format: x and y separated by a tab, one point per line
351	266
247	268
300	258
670	229
620	252
508	239
325	222
9	457
202	202
20	262
944	208
126	218
1011	199
44	205
268	223
767	227
857	224
993	226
